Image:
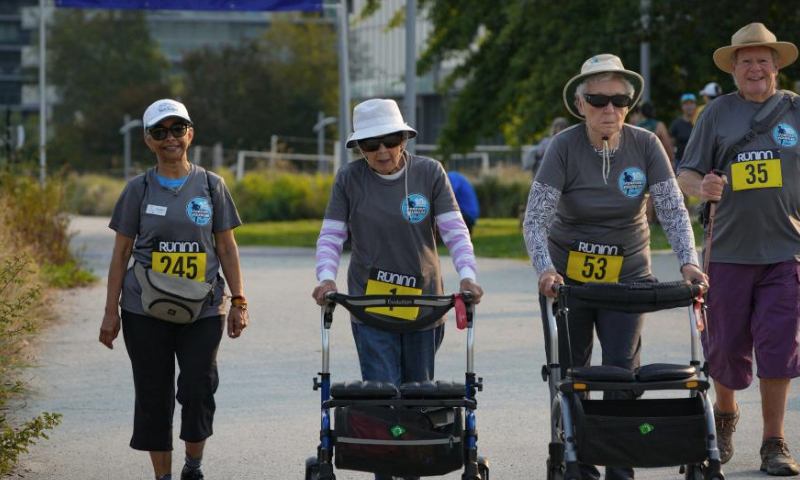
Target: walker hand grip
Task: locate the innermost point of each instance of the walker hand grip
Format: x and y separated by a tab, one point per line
358	305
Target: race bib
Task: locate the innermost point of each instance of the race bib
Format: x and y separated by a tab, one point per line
756	169
383	282
181	259
594	262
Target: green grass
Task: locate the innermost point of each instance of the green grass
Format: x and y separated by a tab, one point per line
492	237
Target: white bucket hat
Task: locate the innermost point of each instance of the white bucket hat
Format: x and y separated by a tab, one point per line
603	63
375	118
164	108
754	35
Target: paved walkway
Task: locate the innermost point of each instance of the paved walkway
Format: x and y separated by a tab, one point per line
267	417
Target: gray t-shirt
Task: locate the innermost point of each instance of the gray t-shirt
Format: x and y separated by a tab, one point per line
594	218
175	228
757	221
393	241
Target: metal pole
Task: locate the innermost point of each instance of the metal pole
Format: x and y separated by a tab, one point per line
42	99
410	100
320	140
644	50
127	148
344	78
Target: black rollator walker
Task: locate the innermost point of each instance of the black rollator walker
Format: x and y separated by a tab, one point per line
414	429
646	433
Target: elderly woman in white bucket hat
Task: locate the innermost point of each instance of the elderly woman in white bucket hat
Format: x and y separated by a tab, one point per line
586	221
756	237
391	202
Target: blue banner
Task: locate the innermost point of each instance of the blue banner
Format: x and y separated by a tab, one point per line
218	5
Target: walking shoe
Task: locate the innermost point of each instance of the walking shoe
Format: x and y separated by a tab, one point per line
775	458
191	474
725	424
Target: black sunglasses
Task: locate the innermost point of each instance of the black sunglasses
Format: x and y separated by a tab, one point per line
374	144
600	101
159	132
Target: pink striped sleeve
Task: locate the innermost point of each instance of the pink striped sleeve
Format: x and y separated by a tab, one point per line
456	237
329	248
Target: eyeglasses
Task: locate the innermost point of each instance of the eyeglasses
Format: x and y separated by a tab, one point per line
159	132
374	144
600	101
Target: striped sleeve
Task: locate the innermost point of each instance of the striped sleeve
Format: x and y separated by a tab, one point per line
456	237
329	248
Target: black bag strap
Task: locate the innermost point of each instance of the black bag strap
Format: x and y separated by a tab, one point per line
767	117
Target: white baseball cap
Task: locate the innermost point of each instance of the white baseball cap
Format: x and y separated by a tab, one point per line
375	118
164	108
712	90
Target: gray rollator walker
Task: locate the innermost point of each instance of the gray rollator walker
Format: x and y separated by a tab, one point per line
643	433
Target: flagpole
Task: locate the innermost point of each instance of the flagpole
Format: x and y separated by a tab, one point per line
42	98
344	80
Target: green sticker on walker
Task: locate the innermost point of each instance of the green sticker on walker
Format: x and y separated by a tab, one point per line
397	430
646	428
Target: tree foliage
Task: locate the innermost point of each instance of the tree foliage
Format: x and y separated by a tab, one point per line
517	55
104	64
241	94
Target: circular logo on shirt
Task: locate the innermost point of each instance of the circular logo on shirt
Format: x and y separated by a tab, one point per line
631	182
199	211
784	135
415	207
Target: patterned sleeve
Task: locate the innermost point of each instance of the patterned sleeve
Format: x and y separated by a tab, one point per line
668	203
539	216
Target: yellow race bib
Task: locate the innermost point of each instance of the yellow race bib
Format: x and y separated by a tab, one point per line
756	169
181	259
383	282
594	262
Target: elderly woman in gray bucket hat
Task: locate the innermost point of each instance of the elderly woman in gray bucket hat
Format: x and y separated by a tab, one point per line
391	202
586	222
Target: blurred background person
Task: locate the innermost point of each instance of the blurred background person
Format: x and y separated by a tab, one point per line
681	128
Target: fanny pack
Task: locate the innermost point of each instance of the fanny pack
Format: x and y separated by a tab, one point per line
171	298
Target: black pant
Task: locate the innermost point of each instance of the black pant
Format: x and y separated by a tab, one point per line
620	337
152	346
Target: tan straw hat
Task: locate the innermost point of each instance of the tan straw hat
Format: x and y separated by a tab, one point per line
754	35
603	63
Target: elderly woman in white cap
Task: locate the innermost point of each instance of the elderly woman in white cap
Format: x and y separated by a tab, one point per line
391	202
756	237
177	221
586	222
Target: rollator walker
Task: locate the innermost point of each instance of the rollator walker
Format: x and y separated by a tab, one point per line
643	433
414	429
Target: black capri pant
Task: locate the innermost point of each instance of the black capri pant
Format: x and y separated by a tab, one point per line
153	345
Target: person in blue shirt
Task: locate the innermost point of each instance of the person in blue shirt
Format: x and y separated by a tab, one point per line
466	198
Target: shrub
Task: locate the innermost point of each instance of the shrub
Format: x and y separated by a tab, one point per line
502	192
267	195
93	194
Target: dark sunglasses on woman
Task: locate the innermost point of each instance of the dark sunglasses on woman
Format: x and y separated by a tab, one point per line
600	101
160	132
374	144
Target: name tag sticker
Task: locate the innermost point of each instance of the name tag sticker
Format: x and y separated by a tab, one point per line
156	210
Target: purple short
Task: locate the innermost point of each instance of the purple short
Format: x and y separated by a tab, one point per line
752	306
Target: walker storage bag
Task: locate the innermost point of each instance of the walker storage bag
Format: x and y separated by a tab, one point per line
640	433
399	441
171	298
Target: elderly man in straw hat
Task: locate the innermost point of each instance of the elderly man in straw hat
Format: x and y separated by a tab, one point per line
755	299
589	197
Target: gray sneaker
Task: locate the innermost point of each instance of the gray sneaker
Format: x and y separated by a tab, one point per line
776	459
725	424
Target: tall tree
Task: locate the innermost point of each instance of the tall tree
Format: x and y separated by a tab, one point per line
242	94
104	64
516	55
